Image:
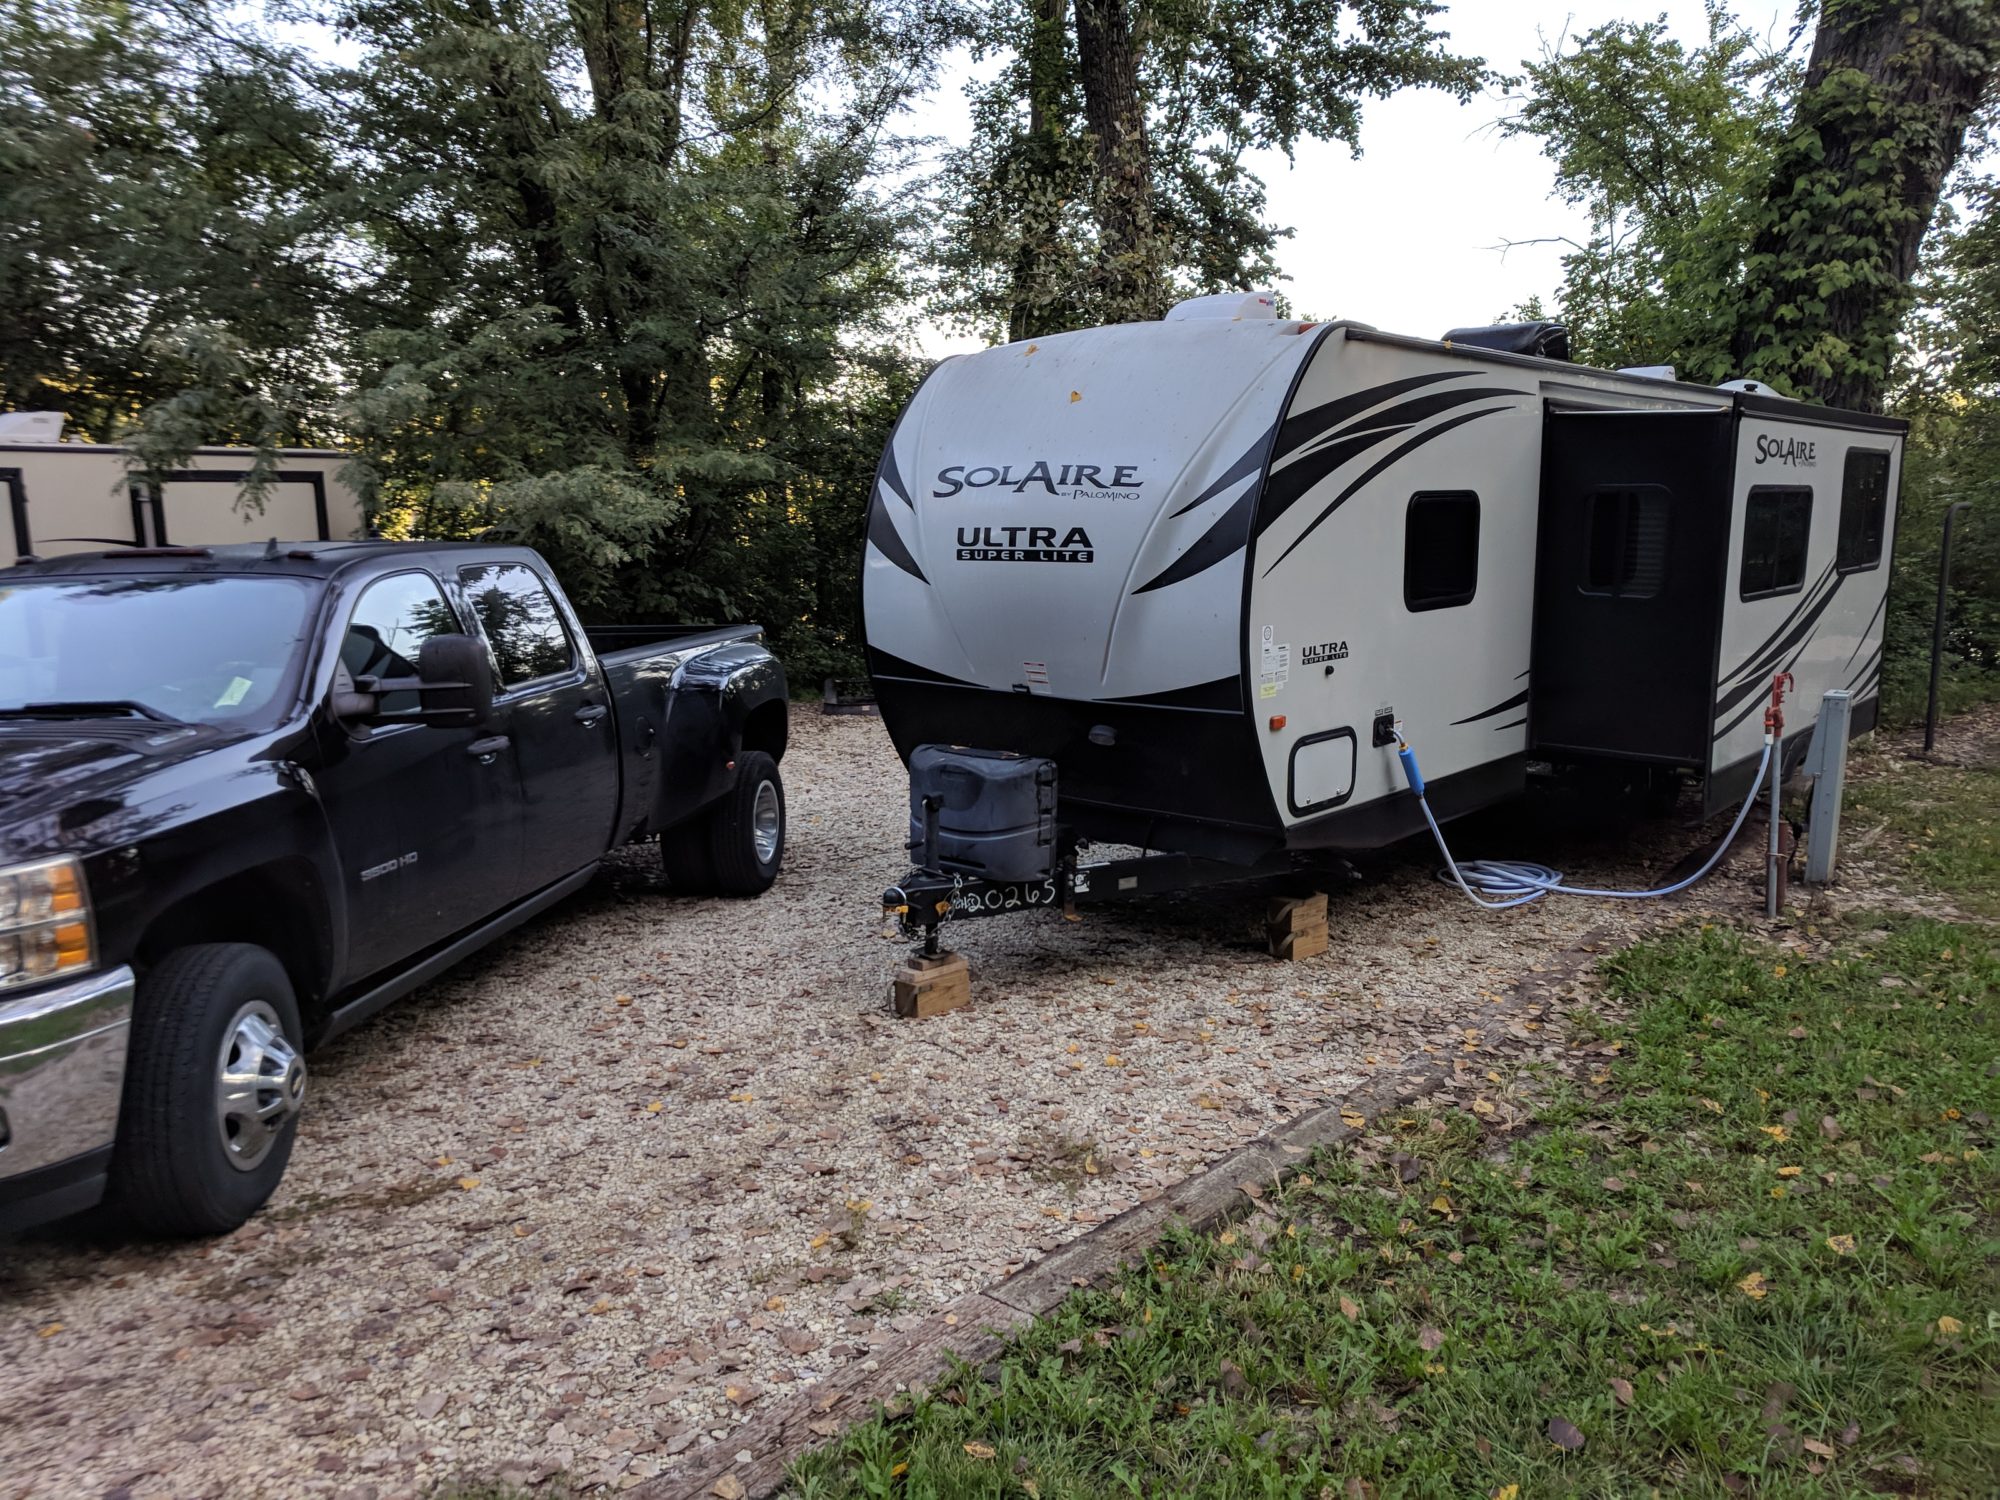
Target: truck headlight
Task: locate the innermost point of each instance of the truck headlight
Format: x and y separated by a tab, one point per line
45	927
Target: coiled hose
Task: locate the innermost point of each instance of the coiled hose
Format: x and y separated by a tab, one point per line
1519	881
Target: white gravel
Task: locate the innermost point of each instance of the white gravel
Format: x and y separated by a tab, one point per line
576	1208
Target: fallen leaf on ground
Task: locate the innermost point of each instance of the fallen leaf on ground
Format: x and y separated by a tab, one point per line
1348	1309
1949	1325
1430	1339
468	1183
1563	1433
1840	1244
980	1450
729	1487
1752	1285
1622	1389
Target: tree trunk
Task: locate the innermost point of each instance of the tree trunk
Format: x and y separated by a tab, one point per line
1129	254
1879	125
1031	311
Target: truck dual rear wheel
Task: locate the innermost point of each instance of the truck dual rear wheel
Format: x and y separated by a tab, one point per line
214	1081
746	833
736	846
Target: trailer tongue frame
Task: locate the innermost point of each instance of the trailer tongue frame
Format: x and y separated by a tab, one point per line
925	900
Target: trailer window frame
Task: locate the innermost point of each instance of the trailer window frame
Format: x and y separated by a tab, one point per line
1629	582
1423	505
1787	572
1874	530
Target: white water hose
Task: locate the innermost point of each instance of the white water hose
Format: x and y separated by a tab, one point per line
1516	882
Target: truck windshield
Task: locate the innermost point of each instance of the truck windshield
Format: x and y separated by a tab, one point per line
208	650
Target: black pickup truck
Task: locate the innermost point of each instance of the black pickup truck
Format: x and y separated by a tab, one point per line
250	795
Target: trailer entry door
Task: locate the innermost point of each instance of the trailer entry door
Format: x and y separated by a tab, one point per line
1628	583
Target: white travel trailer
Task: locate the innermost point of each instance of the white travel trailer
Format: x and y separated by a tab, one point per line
1197	570
63	497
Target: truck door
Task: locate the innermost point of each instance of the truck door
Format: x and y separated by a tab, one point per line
552	703
426	820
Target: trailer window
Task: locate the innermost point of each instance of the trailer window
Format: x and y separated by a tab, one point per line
1864	510
1626	553
1777	523
1441	549
521	621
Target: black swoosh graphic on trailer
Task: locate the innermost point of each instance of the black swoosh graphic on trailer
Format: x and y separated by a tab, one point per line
1510	724
1228	535
1880	605
1224	695
1756	700
1769	645
882	534
1287	486
1303	426
1499	708
1249	463
893	477
1399	453
882	664
1760	678
1874	661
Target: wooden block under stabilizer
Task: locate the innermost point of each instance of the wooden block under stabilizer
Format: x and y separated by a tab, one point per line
931	986
1295	926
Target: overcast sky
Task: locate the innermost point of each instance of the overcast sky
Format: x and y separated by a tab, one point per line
1406	236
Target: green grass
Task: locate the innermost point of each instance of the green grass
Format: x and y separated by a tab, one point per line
1939	825
1366	1335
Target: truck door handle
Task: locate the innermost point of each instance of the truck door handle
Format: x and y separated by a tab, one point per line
590	713
484	750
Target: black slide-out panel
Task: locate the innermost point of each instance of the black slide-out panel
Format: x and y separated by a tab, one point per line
1635	513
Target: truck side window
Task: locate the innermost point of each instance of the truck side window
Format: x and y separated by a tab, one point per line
1864	508
1441	549
1777	523
521	620
392	619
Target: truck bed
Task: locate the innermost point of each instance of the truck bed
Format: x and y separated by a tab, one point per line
624	642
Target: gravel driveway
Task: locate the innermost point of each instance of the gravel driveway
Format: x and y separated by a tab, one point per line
578	1207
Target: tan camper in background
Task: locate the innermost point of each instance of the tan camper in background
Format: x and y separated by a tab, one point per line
58	497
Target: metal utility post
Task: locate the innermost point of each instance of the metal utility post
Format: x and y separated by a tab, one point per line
1937	625
1826	763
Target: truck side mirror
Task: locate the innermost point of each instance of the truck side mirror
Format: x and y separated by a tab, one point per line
454	688
455	685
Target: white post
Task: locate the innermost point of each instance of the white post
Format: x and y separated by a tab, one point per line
1827	763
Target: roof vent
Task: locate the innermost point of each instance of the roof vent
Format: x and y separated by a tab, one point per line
1649	372
31	426
1748	387
1230	305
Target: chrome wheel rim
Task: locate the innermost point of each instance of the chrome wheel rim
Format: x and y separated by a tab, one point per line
260	1082
766	822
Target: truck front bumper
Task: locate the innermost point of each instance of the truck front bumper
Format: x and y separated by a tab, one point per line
62	1073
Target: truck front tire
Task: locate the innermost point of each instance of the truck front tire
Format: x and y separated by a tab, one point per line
213	1084
747	828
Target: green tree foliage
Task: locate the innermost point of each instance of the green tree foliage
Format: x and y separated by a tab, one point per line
1665	147
1105	175
164	245
1950	390
637	269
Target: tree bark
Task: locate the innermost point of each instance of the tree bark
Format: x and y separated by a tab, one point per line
1890	89
1031	310
1108	62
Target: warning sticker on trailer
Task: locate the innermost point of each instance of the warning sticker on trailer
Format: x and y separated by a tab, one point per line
1275	669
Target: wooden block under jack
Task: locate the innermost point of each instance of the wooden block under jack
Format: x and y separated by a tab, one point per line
1295	926
931	986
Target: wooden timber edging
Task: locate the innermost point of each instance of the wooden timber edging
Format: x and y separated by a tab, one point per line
752	1462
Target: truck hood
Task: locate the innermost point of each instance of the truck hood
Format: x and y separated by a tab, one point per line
57	780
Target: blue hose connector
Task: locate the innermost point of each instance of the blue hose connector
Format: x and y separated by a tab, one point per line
1409	759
